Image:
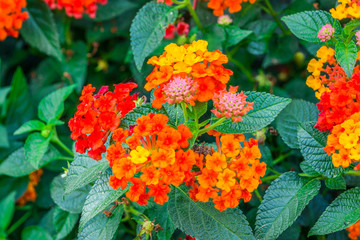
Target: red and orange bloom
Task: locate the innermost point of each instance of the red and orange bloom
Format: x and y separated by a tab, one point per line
231	104
230	174
219	6
97	115
190	61
76	8
343	144
11	17
155	151
354	231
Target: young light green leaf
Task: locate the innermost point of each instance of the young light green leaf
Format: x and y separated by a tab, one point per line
35	148
100	196
42	23
64	222
350	26
346	55
343	212
198	110
7	208
101	227
35	232
32	125
337	183
144	109
148	29
52	106
298	111
204	222
235	35
266	108
72	202
283	203
15	165
312	143
82	171
306	25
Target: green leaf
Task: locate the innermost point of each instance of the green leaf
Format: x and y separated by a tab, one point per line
82	171
35	148
32	125
15	165
204	222
198	110
160	214
312	142
42	23
266	108
19	104
175	113
346	55
4	91
52	106
72	202
306	25
7	209
4	140
337	183
64	222
343	212
100	196
76	65
235	35
148	29
102	227
308	169
350	26
193	128
114	8
144	109
283	203
35	232
298	111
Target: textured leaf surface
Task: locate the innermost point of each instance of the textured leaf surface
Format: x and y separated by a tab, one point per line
35	232
42	23
266	108
204	222
100	196
52	106
298	111
337	183
82	171
102	227
114	8
30	126
283	203
312	142
160	214
308	169
148	29
35	148
64	222
343	212
306	25
7	208
130	118
346	55
72	202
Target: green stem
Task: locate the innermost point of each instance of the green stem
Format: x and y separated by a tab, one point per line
274	171
281	158
275	16
258	195
18	223
194	15
242	68
212	126
65	158
56	140
353	173
186	118
269	178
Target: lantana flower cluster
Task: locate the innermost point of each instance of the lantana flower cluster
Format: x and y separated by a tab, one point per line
346	9
155	150
354	231
326	33
98	115
30	194
11	17
229	174
76	8
233	6
188	61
